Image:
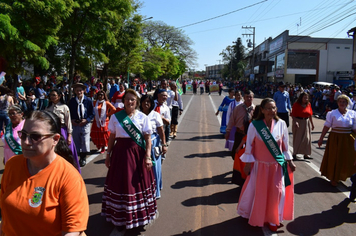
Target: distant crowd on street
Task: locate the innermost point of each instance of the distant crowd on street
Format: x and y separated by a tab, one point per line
47	136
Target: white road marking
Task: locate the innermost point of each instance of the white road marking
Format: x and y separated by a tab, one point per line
341	187
214	107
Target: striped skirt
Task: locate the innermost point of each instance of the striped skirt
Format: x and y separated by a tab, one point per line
129	191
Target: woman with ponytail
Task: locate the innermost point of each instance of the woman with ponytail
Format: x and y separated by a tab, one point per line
42	193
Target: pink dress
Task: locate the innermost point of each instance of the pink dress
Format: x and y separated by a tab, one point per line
8	153
264	197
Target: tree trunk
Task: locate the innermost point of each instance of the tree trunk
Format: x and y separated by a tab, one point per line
104	76
72	69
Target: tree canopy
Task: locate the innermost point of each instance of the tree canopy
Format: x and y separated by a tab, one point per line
235	58
159	34
79	35
28	29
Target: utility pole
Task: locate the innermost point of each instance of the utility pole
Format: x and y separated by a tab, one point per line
206	70
253	47
352	32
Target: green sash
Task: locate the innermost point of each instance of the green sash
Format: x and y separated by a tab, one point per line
130	128
272	146
10	140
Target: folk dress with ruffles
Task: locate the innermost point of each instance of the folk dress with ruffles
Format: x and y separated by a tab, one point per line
223	107
339	156
129	190
100	135
264	196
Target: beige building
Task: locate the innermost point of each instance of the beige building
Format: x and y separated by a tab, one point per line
303	59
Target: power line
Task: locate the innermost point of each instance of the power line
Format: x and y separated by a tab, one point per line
326	20
265	19
223	14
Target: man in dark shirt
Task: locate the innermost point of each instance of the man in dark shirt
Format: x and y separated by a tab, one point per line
82	114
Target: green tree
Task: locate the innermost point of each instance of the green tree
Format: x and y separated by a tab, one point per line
92	25
159	34
126	54
155	60
28	29
235	58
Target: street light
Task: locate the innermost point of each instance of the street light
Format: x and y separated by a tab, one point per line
147	18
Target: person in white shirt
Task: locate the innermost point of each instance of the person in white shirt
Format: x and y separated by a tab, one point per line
177	108
171	95
352	105
147	105
339	156
163	110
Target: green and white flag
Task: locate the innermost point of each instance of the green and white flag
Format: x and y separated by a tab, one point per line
179	88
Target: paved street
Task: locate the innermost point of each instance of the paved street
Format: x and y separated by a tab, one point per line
198	197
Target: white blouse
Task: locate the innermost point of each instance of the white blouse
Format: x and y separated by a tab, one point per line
62	111
335	119
164	110
140	120
155	120
280	131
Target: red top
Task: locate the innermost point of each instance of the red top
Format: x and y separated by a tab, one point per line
117	96
303	112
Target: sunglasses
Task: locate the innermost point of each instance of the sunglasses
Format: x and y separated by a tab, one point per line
33	136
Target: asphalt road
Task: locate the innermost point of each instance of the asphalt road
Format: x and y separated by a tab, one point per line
198	197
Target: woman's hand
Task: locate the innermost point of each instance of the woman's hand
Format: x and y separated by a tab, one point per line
69	139
227	135
247	168
164	149
148	163
217	113
312	126
320	142
107	160
292	165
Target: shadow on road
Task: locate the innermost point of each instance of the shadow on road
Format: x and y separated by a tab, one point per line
99	182
217	179
315	185
206	137
230	196
233	227
312	224
100	161
97	225
221	154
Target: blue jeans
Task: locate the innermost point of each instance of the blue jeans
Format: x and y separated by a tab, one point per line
4	119
23	105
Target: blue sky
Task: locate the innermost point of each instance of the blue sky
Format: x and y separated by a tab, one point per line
316	18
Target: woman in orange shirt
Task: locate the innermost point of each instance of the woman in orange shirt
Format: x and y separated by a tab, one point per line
302	115
41	191
103	109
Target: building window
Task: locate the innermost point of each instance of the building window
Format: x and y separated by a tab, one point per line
302	60
347	47
337	47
